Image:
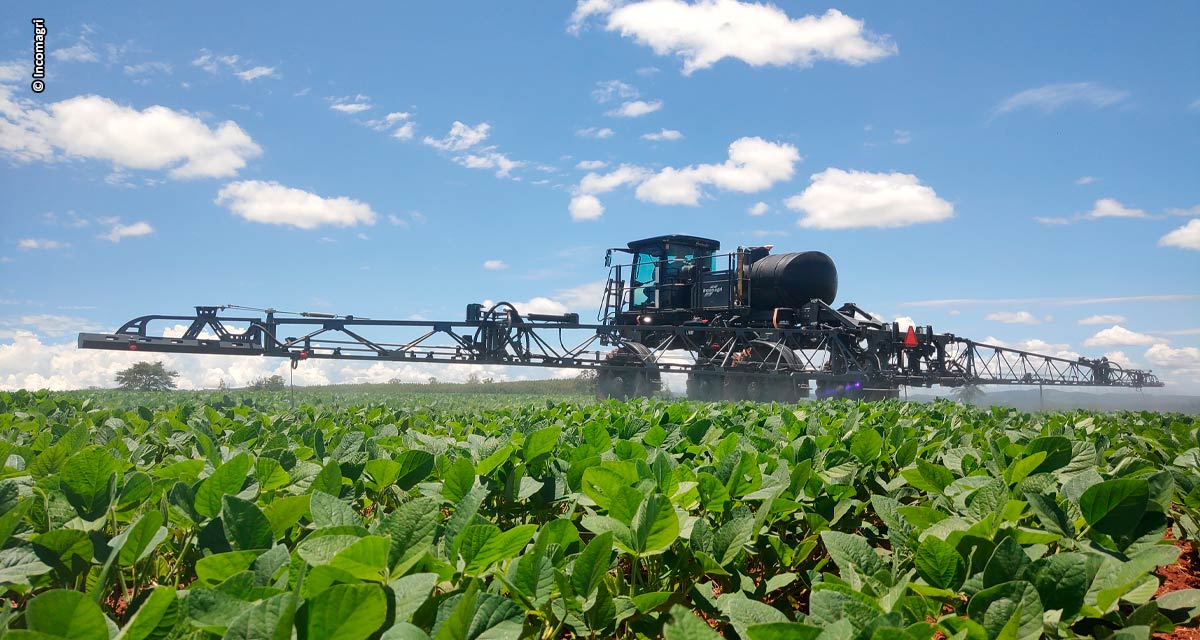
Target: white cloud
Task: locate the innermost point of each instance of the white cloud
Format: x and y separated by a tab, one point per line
1185	237
758	209
1161	355
1013	317
41	243
78	52
273	203
612	89
591	165
1084	180
1120	358
626	174
902	136
706	32
753	165
119	231
668	135
905	322
582	298
1118	336
1052	97
1036	345
494	265
1052	221
255	73
585	207
636	108
536	305
461	137
405	131
1103	319
489	158
839	199
1110	208
1192	211
212	63
49	324
94	127
350	107
144	68
599	133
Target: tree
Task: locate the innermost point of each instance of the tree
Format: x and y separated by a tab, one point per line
147	376
274	383
968	394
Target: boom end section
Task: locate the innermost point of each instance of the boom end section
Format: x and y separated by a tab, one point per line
133	342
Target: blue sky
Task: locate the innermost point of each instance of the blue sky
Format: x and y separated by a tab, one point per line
1031	165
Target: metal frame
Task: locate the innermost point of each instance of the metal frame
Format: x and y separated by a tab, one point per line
831	347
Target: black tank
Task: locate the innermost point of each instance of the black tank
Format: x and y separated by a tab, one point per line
792	279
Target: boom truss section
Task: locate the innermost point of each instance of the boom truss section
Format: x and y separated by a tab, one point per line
837	349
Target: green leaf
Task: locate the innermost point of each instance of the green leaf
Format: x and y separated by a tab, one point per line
215	569
1061	581
382	473
329	480
246	526
269	619
366	559
591	565
540	442
496	546
284	512
270	474
1013	606
655	526
939	563
329	511
782	631
743	612
1115	507
866	445
685	625
849	550
415	466
410	592
227	479
139	540
137	488
89	481
346	612
532	577
1006	563
647	602
410	530
154	618
66	614
459	480
1050	514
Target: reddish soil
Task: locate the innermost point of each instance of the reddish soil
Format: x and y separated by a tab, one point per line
1184	574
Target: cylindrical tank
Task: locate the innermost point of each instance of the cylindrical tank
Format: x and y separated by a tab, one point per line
792	279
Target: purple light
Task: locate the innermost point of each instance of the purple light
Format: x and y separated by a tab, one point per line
857	385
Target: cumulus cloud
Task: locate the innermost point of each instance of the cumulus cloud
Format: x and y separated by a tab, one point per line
1185	237
598	133
708	31
1052	97
79	52
1013	317
461	136
405	131
273	203
539	304
214	64
489	158
40	243
753	165
758	209
636	108
494	265
1036	345
255	73
1161	355
585	207
96	128
666	135
1110	208
591	165
1118	336
117	231
839	199
1102	319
